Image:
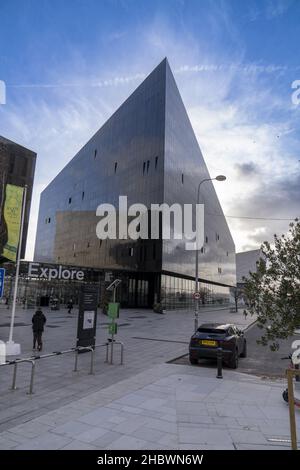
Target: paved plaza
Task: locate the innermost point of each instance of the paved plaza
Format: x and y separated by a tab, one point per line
146	403
166	407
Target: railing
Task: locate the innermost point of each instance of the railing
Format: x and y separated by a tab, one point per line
112	343
32	360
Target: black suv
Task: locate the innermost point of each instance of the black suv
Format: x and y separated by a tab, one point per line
211	336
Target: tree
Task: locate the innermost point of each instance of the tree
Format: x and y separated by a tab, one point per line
273	292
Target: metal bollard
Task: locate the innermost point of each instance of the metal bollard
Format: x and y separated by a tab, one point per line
219	363
76	361
31	378
106	359
112	352
14	386
122	353
92	361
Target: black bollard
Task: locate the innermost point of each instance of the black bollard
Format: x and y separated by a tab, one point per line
219	363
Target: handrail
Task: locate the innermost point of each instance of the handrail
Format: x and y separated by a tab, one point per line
111	343
32	360
13	386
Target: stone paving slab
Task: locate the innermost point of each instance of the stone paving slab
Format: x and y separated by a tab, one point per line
55	382
126	421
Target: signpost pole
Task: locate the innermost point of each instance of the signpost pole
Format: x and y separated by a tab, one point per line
291	397
196	299
13	348
113	331
112	345
113	313
196	291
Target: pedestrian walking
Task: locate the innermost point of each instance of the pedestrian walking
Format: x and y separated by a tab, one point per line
70	306
38	322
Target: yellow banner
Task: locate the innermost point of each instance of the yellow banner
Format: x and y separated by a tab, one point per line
12	216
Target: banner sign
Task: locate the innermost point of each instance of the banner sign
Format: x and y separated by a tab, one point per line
12	216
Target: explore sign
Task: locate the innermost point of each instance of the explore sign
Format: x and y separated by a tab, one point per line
37	270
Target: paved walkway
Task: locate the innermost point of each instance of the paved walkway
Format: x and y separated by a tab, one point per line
166	407
150	339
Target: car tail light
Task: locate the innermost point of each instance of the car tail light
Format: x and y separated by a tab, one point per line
194	341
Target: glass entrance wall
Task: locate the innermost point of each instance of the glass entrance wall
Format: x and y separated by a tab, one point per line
142	293
34	292
177	293
135	290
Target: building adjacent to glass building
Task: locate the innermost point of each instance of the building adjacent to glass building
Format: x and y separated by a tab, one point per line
246	263
17	167
147	151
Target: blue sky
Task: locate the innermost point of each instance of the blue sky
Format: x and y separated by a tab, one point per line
69	64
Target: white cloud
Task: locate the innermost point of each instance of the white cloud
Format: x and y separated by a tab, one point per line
99	83
234	114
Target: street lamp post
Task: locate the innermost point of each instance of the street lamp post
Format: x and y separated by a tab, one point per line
217	178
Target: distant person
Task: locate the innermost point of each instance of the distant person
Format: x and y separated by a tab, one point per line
70	306
38	322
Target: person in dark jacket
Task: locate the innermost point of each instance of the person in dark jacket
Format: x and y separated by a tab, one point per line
70	306
38	322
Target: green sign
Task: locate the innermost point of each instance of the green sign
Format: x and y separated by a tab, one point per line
112	328
113	310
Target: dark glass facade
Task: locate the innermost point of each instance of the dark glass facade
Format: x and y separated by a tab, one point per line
147	151
184	169
17	167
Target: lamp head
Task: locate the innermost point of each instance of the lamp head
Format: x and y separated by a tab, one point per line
220	178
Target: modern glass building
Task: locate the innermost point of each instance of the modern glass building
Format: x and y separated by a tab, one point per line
147	151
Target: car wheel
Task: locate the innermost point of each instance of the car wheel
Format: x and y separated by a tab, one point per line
285	396
193	361
244	352
234	362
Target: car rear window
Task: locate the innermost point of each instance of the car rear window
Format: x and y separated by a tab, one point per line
212	330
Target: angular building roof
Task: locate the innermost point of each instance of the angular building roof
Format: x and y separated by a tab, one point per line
148	151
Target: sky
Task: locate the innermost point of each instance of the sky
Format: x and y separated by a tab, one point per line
69	64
